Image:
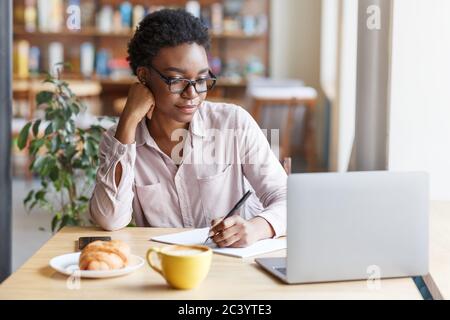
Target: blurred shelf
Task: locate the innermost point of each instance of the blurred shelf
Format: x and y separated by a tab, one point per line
121	81
128	81
238	35
234	47
158	2
93	32
239	102
85	32
231	83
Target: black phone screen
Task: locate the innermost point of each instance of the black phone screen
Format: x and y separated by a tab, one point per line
84	241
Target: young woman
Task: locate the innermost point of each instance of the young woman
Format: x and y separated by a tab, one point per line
176	160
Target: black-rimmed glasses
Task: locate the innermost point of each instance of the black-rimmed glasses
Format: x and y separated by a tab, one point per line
180	85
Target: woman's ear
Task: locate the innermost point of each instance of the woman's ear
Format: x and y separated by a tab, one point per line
143	75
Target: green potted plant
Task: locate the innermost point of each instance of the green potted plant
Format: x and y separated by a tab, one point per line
65	157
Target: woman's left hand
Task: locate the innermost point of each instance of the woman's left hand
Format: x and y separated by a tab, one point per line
236	232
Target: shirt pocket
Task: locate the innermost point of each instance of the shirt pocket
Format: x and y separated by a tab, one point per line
217	193
150	199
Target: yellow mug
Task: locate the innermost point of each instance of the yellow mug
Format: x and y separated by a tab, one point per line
183	267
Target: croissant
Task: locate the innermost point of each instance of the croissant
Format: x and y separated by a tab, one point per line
105	255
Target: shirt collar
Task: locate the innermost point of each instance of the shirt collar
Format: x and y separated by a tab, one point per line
197	125
143	136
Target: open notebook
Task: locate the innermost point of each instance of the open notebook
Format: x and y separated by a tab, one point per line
198	236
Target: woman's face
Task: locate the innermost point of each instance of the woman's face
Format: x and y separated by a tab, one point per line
188	61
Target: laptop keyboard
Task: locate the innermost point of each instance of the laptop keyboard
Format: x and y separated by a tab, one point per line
281	270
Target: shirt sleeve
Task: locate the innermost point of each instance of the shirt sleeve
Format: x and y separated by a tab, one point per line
264	171
110	205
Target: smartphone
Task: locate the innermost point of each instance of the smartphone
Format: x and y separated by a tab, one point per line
84	241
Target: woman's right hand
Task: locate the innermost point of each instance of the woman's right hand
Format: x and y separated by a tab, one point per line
140	104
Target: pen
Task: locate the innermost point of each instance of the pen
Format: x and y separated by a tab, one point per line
229	214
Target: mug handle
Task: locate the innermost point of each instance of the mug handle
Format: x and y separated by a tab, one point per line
149	259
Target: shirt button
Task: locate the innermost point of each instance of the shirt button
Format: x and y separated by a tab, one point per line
122	150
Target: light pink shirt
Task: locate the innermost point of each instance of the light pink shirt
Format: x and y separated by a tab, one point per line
225	154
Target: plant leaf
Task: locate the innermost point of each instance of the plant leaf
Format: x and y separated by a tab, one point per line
49	129
50	78
23	136
44	97
70	126
59	123
32	205
28	197
54	173
47	166
83	199
36	125
38	163
56	219
40	195
55	144
66	220
75	108
35	145
90	148
68	181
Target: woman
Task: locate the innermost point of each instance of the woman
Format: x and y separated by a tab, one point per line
176	160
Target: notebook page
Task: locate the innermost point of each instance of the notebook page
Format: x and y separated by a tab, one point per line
198	236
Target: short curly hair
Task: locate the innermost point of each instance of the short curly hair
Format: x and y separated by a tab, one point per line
164	28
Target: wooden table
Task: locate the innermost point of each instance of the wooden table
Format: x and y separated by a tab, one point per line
438	281
236	278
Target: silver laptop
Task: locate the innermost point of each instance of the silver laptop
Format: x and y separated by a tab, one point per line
354	226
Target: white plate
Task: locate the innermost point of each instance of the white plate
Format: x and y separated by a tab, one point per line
68	264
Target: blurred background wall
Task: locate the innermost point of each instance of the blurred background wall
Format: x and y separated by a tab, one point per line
419	131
